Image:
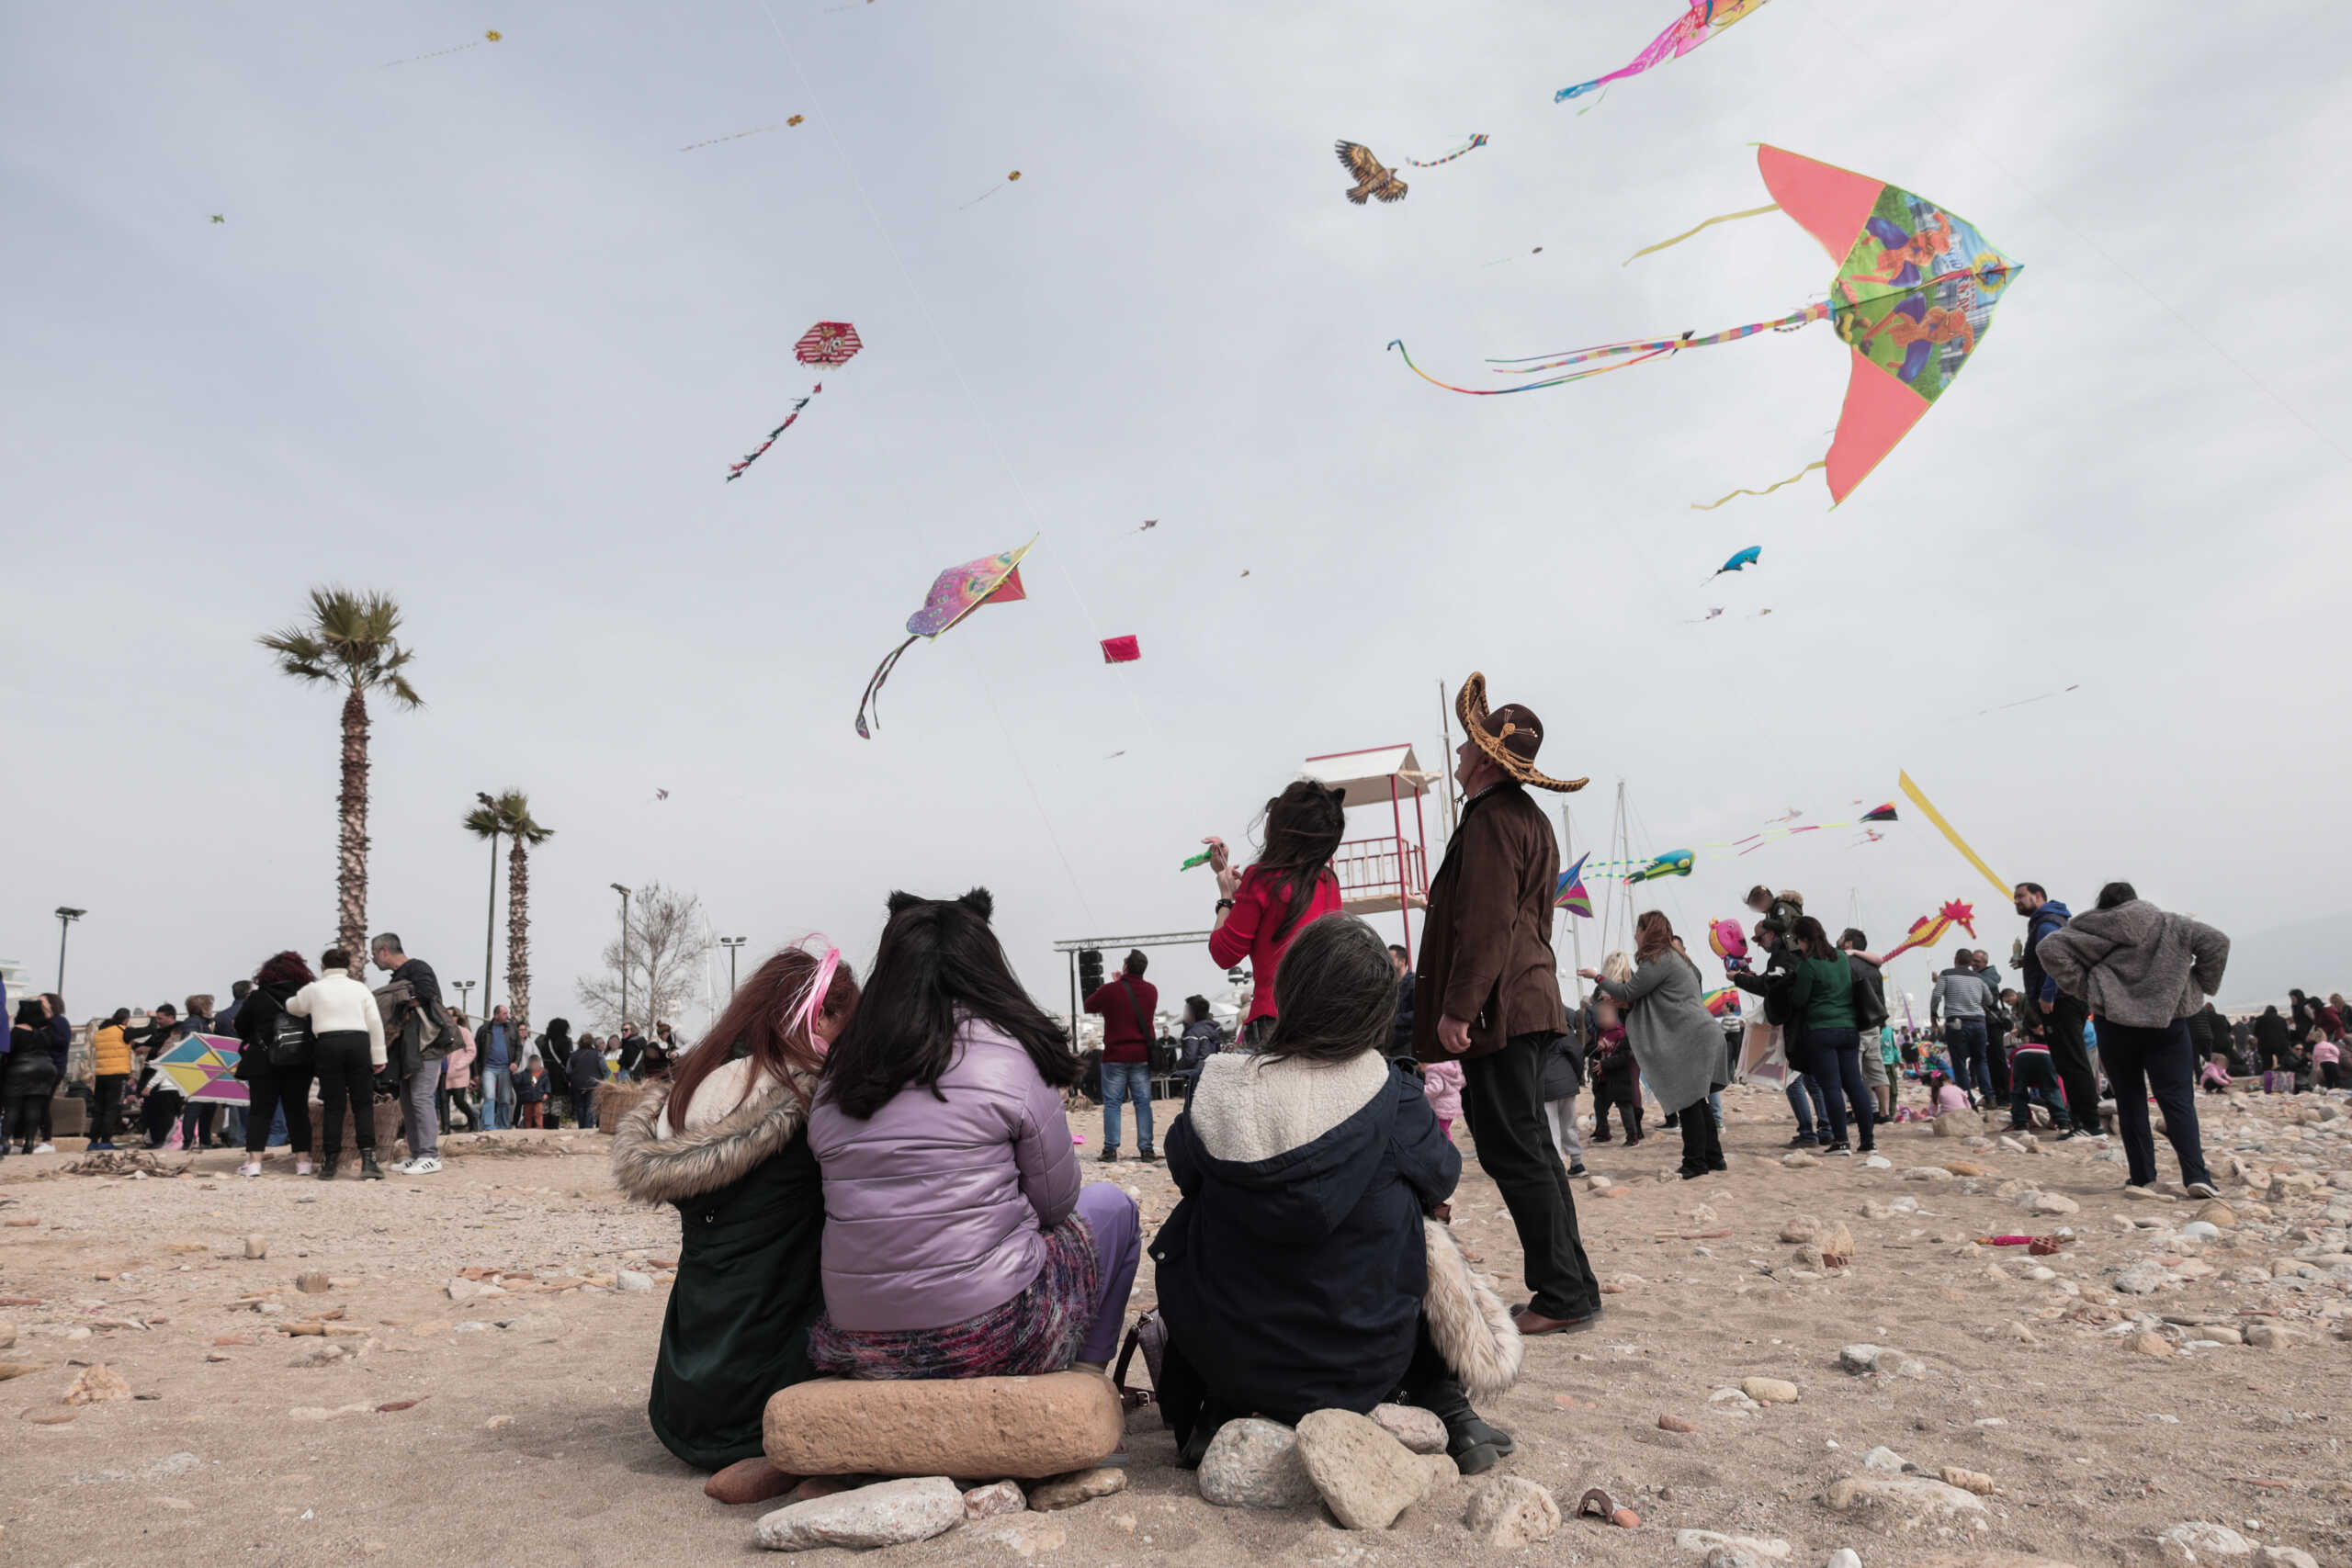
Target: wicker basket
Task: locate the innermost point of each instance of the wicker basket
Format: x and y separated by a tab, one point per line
614	1100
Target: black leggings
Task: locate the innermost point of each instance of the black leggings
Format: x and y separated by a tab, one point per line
272	1088
1703	1147
346	1076
109	1107
24	1109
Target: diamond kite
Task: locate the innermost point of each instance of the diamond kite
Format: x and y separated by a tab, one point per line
1569	893
955	593
1702	21
1120	650
832	343
1913	297
203	1067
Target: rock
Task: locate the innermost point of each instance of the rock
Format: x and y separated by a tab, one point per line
311	1282
2142	1279
19	1368
1801	1227
1959	1124
1906	1503
1510	1512
1927	1173
2144	1194
1837	1247
2288	1557
1417	1429
2272	1336
1845	1557
988	1502
2201	1230
1797	1160
463	1290
1024	1429
1885	1459
1857	1358
816	1486
1731	1399
2216	1212
2152	1345
1975	1480
1365	1475
2200	1542
256	1247
748	1480
7	1335
629	1279
323	1354
1079	1486
1703	1542
889	1512
1810	1256
97	1385
2048	1203
1254	1463
1877	1162
1025	1535
1965	1167
1626	1519
2221	1335
1674	1424
1768	1391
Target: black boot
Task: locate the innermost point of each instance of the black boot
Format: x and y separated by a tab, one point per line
326	1165
1471	1444
369	1170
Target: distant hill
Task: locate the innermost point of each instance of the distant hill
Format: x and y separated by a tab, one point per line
2310	953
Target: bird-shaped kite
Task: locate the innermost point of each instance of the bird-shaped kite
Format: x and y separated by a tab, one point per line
1741	561
1932	927
955	593
1913	297
829	344
1702	21
1373	179
1569	893
1673	862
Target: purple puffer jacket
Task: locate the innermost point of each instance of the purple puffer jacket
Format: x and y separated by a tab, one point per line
935	1210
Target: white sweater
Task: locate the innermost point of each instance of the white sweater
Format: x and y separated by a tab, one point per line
336	1003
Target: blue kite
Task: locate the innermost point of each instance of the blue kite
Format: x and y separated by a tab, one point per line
1745	558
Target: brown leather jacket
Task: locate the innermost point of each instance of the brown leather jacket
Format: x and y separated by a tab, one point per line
1486	946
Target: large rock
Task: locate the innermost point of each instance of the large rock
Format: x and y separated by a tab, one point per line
1704	1543
2199	1542
97	1384
1027	1428
1768	1391
1417	1429
1907	1502
889	1512
1366	1477
748	1480
1253	1463
1510	1512
1959	1124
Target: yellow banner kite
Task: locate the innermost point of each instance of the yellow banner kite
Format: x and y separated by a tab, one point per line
1932	815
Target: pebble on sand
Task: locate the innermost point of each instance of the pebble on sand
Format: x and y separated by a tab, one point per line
1768	1391
996	1498
1079	1487
256	1247
1510	1512
96	1385
889	1512
1255	1463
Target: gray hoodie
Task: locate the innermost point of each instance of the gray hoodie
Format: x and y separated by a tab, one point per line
2136	964
1960	993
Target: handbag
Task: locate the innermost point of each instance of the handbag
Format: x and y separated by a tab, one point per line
289	1041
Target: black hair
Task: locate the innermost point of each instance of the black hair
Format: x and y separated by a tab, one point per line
337	958
1852	937
939	965
2033	888
1337	993
240	989
1398	949
2116	893
1811	939
1304	827
1198	1007
30	1016
1135	962
1960	958
122	1015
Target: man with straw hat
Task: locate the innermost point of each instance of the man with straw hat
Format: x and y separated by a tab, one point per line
1487	995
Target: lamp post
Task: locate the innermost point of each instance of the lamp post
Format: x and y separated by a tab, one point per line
731	944
489	926
65	919
464	989
624	893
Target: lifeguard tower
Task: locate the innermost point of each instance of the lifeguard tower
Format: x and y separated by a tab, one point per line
1388	870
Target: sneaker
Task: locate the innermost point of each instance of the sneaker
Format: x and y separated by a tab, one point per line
1110	1156
1149	1157
1839	1147
250	1168
2204	1190
400	1168
101	1145
302	1165
44	1148
1578	1169
425	1167
1805	1141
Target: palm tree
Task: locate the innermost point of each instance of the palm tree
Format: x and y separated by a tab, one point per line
510	813
348	642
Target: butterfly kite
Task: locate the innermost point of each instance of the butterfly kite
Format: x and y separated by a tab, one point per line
955	593
1376	182
1932	928
827	344
1569	892
1702	21
1913	297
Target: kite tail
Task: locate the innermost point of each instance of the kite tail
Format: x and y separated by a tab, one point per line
1472	145
1718	217
1644	351
1710	506
874	689
735	470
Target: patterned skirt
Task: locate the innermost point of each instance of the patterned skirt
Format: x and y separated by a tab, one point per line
1038	1331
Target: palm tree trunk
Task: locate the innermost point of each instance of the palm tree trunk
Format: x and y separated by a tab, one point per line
519	941
351	868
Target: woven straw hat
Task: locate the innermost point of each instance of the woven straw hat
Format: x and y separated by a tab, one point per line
1511	736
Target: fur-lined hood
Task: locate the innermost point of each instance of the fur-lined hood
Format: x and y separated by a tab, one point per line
651	1168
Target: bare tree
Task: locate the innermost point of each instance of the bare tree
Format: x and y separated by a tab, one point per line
667	940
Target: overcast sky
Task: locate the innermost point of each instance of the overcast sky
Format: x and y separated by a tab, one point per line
476	332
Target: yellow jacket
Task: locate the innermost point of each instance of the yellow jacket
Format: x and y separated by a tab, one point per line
110	1052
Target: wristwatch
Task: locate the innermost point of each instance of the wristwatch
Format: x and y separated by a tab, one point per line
1224	904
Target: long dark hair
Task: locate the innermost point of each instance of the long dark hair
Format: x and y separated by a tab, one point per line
1304	827
939	964
1336	992
1812	939
766	1019
284	969
1653	934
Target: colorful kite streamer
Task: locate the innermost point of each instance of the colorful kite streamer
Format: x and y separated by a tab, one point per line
1932	815
1643	350
737	136
832	343
1702	21
1472	145
490	36
955	593
1013	179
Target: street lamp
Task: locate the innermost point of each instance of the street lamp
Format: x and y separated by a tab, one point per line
464	989
730	943
624	893
65	919
489	926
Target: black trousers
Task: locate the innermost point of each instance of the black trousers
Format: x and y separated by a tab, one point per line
271	1089
1502	1101
1997	1057
347	1077
20	1116
2162	1061
1703	1143
109	1107
2028	1071
2072	1056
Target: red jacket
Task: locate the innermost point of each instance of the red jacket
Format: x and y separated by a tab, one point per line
1249	932
1127	1006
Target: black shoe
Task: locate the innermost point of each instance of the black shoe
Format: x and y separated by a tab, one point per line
1149	1157
1837	1146
1473	1446
1578	1169
1717	1164
1599	1137
1109	1156
326	1167
1673	1120
1690	1174
1805	1141
369	1170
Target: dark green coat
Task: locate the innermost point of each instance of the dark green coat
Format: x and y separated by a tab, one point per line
753	1212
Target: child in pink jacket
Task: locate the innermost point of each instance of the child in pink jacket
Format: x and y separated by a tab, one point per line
1441	1081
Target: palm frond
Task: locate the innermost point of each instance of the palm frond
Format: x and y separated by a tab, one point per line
514	809
350	640
484	823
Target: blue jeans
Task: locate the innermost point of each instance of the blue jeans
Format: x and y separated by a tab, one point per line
1972	1067
1804	1099
1835	1055
497	1098
1122	1081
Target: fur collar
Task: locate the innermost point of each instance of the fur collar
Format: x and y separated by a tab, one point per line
651	1168
1248	1108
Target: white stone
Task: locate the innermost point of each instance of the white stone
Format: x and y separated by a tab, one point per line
1845	1557
631	1280
1908	1503
1885	1459
1859	1359
2199	1541
889	1512
1700	1542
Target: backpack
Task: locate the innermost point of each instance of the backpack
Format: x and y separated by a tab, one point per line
1869	994
289	1040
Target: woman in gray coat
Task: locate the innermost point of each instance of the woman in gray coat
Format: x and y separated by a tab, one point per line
1676	1042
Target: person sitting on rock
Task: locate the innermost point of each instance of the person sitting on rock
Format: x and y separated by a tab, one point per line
958	1243
1295	1273
726	1142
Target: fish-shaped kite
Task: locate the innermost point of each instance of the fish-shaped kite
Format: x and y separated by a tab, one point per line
1932	928
1741	561
1673	862
955	593
1913	297
1702	21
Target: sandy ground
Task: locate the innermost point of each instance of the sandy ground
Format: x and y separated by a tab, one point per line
526	1441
